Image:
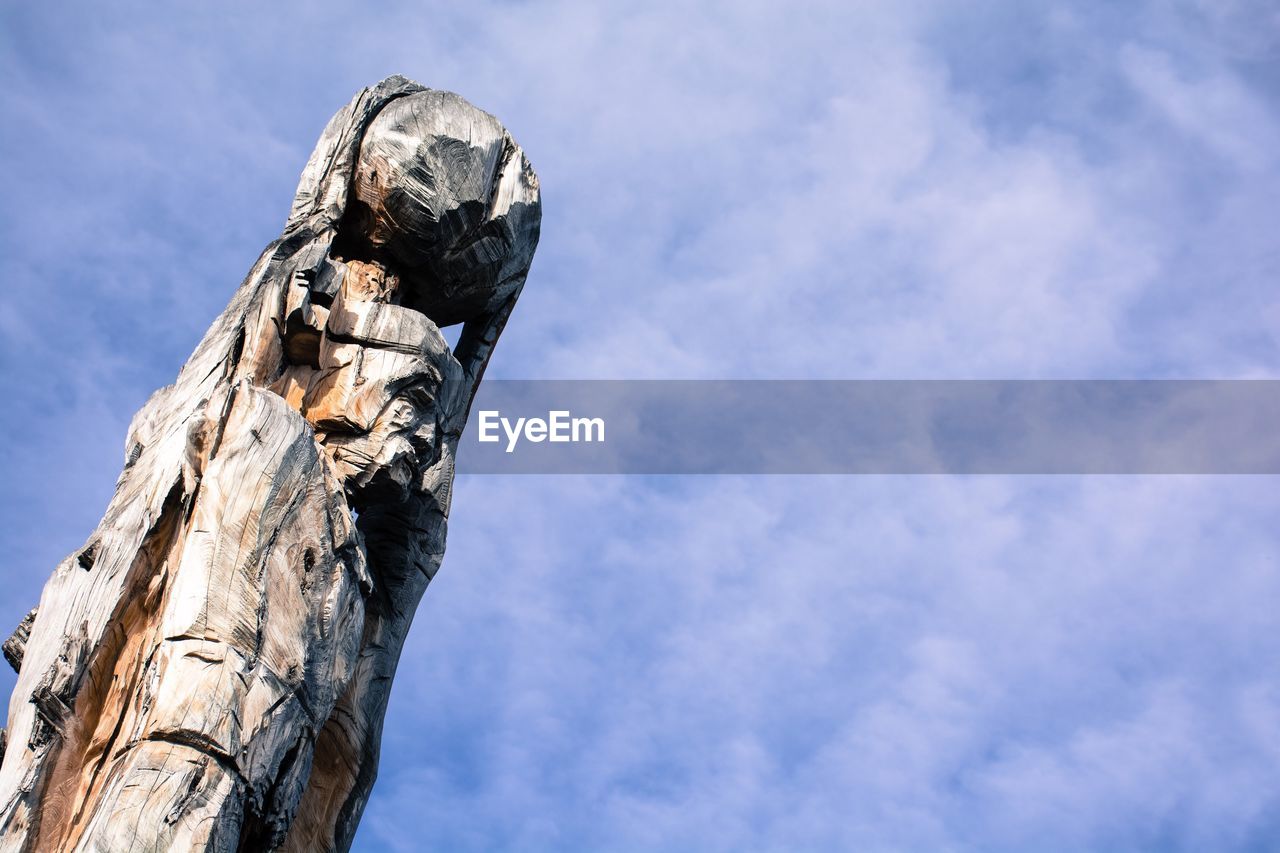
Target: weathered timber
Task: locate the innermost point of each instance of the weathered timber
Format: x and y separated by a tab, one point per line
16	646
211	670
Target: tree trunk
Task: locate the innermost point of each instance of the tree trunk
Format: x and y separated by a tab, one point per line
211	670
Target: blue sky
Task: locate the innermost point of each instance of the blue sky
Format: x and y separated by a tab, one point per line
735	190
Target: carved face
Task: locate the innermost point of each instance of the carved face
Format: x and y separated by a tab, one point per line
424	202
375	388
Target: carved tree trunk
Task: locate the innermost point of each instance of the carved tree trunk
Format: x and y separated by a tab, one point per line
210	671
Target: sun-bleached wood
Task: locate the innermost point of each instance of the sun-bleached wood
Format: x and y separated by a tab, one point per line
211	670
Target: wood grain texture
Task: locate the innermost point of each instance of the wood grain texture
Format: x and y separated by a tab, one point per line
210	671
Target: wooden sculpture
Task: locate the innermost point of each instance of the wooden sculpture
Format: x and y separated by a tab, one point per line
211	670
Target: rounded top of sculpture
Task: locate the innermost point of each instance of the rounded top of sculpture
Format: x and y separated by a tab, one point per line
426	199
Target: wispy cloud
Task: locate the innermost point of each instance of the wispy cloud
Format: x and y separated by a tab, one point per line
826	664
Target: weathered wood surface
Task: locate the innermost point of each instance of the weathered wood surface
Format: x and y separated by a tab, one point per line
211	670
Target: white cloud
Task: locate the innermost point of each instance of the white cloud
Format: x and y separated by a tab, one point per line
825	663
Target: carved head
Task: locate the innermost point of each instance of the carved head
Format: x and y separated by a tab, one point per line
416	211
443	197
